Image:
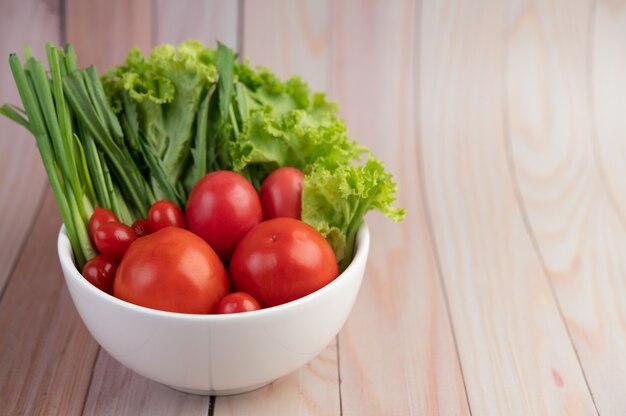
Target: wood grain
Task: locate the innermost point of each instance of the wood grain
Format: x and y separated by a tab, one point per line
46	354
515	351
291	37
397	351
104	31
22	178
116	390
311	390
205	20
607	83
578	231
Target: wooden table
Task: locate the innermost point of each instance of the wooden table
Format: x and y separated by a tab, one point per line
504	291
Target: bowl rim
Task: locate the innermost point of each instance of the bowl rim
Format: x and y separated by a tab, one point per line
67	262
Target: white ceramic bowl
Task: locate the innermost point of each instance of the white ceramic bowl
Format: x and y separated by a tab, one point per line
216	354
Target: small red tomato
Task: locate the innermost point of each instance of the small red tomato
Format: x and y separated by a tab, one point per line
100	272
100	216
222	207
281	260
238	302
165	214
172	270
114	238
141	227
281	194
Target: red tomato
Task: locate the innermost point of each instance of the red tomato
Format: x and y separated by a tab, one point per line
172	270
100	272
100	216
238	302
281	194
114	238
141	227
281	260
165	214
222	207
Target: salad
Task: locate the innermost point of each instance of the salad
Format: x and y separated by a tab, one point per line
190	138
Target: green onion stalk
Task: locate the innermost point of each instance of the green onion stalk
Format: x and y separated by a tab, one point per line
80	141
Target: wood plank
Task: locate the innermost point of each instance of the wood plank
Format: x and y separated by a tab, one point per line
116	390
291	37
608	96
104	31
205	20
22	177
46	354
397	351
578	231
514	348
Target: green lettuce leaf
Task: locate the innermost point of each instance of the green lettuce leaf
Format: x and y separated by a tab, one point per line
335	202
166	90
297	139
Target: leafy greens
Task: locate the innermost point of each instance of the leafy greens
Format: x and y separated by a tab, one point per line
152	127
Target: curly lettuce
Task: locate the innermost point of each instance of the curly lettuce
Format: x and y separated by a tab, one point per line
191	110
335	202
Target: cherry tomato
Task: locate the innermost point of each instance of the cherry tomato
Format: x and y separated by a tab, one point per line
238	302
172	270
281	260
114	238
100	216
222	207
141	227
281	194
100	272
165	214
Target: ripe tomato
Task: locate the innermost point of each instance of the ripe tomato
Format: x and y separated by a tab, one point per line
172	270
114	238
281	260
100	272
100	216
165	214
238	302
222	207
281	194
141	227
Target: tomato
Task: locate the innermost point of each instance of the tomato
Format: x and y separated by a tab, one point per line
281	260
114	238
165	214
141	227
100	272
222	207
238	302
100	216
281	194
172	270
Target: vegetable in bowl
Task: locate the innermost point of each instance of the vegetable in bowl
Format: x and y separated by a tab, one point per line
151	128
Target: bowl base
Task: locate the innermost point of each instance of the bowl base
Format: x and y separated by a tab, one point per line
226	392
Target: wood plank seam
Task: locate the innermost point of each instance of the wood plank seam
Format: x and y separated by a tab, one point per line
525	219
92	372
339	376
211	406
63	22
240	28
431	233
22	244
423	189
